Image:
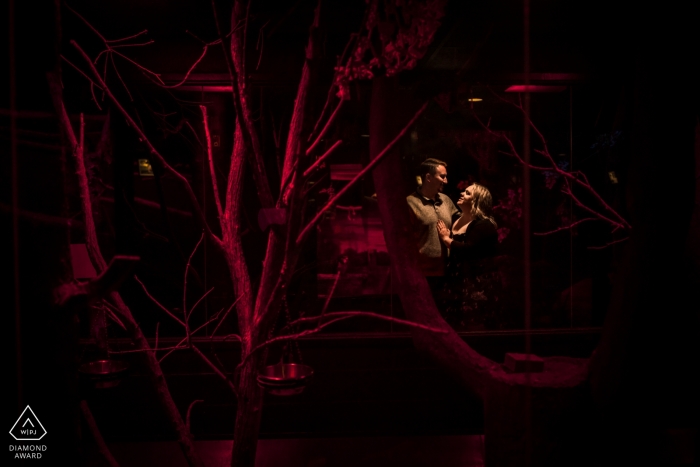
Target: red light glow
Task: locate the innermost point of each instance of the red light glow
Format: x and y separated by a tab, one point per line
535	88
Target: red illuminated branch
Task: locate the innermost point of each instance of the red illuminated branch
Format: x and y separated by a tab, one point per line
330	121
602	247
223	318
111	49
235	60
112	313
189	413
361	174
566	227
321	159
216	369
184	289
616	225
123	312
168	312
179	345
144	139
102	447
214	183
330	318
577	177
40	218
121	80
194	65
114	41
198	302
155	346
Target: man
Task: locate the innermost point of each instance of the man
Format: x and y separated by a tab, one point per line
428	205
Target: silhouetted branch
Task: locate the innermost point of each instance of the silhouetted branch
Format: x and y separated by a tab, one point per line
566	227
325	129
216	369
334	318
210	156
189	414
361	174
168	312
145	140
321	159
102	447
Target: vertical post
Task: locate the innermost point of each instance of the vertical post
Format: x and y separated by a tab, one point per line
571	207
15	198
526	230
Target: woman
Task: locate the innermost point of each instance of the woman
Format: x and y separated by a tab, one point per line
473	283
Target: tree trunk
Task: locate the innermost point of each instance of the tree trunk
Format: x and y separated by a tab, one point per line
248	413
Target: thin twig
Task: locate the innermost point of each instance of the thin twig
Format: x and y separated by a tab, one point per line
334	318
144	139
198	302
216	369
96	435
184	288
566	227
328	124
212	172
155	347
121	80
80	71
191	69
189	414
184	339
223	318
361	174
320	160
168	312
602	247
113	41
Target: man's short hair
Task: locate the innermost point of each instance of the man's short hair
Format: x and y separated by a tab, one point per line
430	166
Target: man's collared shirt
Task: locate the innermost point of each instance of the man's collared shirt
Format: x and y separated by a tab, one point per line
425	213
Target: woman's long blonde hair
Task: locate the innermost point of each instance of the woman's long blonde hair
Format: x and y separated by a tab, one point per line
482	203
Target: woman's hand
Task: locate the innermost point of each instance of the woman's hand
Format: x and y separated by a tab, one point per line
443	233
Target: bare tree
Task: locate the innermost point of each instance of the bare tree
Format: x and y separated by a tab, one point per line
257	309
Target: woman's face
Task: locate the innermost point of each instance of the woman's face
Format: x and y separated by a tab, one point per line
465	199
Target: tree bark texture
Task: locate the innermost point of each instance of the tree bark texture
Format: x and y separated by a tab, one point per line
280	260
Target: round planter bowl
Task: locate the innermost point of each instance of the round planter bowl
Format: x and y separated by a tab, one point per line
104	373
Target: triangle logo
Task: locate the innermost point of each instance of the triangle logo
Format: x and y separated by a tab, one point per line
27	427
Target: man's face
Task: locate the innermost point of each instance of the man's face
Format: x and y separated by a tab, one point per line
437	180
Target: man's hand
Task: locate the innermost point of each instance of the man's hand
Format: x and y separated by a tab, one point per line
443	233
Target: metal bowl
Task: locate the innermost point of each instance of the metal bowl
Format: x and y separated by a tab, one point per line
285	373
104	373
285	379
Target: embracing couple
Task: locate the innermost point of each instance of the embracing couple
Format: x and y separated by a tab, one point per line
454	244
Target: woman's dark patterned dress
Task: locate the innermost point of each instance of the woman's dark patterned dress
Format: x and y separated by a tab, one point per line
470	298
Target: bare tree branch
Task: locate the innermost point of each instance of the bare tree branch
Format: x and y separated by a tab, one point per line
325	129
216	369
321	159
145	140
334	318
189	414
212	172
361	174
102	447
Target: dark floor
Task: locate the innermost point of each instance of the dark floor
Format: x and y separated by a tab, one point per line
376	451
